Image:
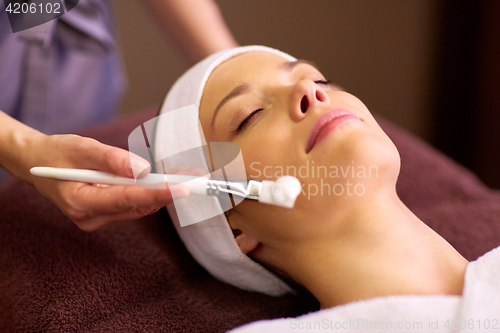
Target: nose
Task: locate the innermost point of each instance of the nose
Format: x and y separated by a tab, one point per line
306	95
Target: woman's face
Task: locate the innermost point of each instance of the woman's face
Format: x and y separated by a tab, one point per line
287	119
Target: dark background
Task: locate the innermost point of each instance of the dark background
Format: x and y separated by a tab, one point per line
466	101
431	66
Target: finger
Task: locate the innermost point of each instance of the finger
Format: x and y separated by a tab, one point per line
103	221
190	171
111	159
117	199
92	207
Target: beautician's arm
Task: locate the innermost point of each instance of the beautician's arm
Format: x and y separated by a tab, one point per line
196	26
90	207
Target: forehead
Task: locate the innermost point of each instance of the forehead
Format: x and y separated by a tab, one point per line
250	67
242	67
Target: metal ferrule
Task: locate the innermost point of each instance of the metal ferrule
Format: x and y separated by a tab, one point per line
215	187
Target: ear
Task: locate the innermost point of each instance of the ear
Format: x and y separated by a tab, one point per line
246	243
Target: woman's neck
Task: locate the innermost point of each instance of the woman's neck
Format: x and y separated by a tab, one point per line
385	250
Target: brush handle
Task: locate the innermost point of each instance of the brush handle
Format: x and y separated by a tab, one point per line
197	185
283	192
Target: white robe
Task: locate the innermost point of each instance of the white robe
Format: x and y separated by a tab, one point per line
477	310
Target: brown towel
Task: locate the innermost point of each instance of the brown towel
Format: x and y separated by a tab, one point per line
137	275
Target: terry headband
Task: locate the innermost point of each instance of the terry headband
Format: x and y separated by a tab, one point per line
210	242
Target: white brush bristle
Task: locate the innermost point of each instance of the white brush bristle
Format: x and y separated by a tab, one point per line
283	192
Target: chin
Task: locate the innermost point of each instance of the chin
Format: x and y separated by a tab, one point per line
366	159
380	152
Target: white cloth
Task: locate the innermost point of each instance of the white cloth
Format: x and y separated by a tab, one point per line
210	242
477	310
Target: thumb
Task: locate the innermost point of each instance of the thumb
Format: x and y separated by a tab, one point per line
139	166
115	160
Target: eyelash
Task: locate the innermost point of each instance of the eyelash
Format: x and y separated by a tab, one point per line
323	81
243	124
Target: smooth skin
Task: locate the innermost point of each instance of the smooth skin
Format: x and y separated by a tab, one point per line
342	248
199	30
195	26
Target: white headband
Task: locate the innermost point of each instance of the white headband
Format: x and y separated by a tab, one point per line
211	242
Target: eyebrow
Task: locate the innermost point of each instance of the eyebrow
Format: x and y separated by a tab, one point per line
290	65
239	90
245	87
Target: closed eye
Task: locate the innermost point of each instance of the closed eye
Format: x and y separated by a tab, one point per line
247	120
323	81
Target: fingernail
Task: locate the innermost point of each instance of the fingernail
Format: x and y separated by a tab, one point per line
140	167
178	191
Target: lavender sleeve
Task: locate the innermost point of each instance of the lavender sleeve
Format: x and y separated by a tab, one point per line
62	75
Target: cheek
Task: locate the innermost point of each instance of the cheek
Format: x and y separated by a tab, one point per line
259	160
266	153
352	103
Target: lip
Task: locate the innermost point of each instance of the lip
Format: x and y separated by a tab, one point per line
326	123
